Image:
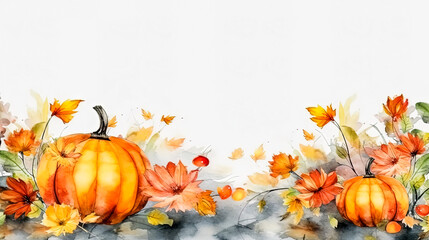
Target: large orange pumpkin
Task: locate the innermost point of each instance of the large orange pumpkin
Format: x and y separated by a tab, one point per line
105	179
367	200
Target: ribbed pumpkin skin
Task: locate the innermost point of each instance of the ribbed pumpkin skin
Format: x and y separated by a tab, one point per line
366	201
106	179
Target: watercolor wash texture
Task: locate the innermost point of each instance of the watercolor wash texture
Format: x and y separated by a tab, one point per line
144	184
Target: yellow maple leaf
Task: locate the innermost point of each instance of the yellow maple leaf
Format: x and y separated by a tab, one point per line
112	122
308	136
156	217
147	115
167	119
90	218
410	221
263	179
259	153
237	154
141	135
313	153
333	221
65	110
173	143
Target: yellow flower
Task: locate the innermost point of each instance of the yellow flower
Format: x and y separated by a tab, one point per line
61	219
63	153
295	204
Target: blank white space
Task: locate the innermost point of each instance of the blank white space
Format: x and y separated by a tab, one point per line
235	73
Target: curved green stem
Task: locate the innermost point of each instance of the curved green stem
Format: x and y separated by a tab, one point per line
347	146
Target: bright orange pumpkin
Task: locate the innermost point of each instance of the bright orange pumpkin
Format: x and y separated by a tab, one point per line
105	179
367	200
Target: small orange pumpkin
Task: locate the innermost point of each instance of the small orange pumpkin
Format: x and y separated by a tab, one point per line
105	178
367	200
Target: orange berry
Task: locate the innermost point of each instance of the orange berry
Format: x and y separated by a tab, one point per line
239	194
422	210
393	227
224	192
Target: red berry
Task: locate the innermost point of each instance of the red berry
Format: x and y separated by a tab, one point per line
201	161
422	210
224	192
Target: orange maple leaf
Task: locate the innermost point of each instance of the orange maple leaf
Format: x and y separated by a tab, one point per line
308	136
321	116
283	164
167	119
147	115
65	110
173	143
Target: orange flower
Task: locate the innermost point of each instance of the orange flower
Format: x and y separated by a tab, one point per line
205	205
173	187
64	154
322	116
283	164
318	188
65	110
21	194
396	107
390	161
22	141
411	145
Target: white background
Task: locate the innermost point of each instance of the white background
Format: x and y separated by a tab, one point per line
235	73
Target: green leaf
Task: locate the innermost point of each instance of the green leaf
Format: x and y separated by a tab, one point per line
11	162
333	221
2	218
403	178
36	209
341	152
422	165
423	110
38	128
418	181
351	136
151	143
406	124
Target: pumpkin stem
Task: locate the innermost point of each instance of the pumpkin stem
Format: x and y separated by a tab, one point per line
101	132
368	172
